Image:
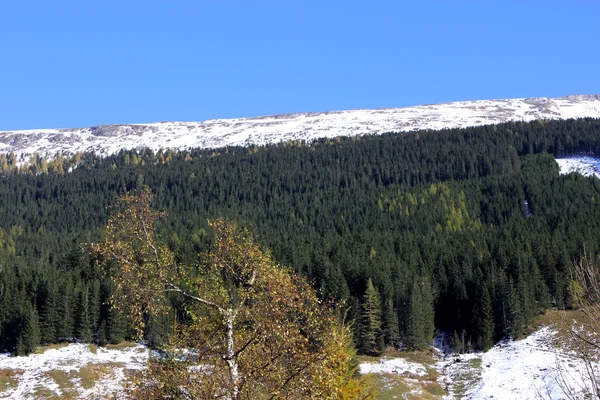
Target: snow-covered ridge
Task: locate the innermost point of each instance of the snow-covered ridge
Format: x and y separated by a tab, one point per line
109	139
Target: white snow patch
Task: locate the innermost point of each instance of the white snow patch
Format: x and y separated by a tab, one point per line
398	366
526	369
585	165
69	358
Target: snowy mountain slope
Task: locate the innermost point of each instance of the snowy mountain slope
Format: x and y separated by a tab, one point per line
108	139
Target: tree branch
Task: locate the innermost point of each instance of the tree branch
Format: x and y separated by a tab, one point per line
175	288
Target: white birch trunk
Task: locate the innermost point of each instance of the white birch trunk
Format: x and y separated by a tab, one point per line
230	355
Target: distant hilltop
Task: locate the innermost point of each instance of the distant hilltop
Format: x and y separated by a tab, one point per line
109	139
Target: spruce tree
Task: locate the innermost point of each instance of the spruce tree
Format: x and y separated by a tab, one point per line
371	321
115	326
427	311
487	321
420	325
391	333
49	315
515	314
414	335
29	338
83	329
94	308
65	320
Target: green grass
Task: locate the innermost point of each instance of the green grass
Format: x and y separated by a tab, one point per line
43	349
9	379
42	393
421	357
91	373
467	378
120	346
435	389
61	378
395	387
389	386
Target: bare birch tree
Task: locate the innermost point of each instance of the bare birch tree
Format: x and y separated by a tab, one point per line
252	329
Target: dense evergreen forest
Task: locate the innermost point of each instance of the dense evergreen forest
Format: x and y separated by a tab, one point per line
415	232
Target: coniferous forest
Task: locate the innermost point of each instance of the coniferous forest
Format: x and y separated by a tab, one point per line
469	231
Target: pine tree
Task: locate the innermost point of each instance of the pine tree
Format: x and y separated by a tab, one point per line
95	306
65	320
427	311
414	335
83	329
420	315
515	314
115	326
371	321
29	339
102	337
48	317
487	321
391	332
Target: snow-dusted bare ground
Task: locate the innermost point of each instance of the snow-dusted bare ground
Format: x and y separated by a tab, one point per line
528	369
585	165
109	139
35	371
521	370
398	366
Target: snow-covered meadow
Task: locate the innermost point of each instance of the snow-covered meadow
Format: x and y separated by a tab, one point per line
530	369
70	371
527	369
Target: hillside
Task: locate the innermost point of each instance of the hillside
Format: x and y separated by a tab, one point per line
469	231
109	139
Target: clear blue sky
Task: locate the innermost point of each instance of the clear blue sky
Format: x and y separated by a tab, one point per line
86	62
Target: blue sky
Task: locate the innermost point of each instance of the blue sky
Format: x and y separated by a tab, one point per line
84	62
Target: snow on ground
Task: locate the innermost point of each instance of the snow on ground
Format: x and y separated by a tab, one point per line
398	366
519	370
525	369
585	165
109	139
36	371
528	369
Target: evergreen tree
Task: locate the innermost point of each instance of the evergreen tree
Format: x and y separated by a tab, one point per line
487	321
94	309
391	332
420	317
49	315
115	326
515	314
83	328
29	339
371	321
65	321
